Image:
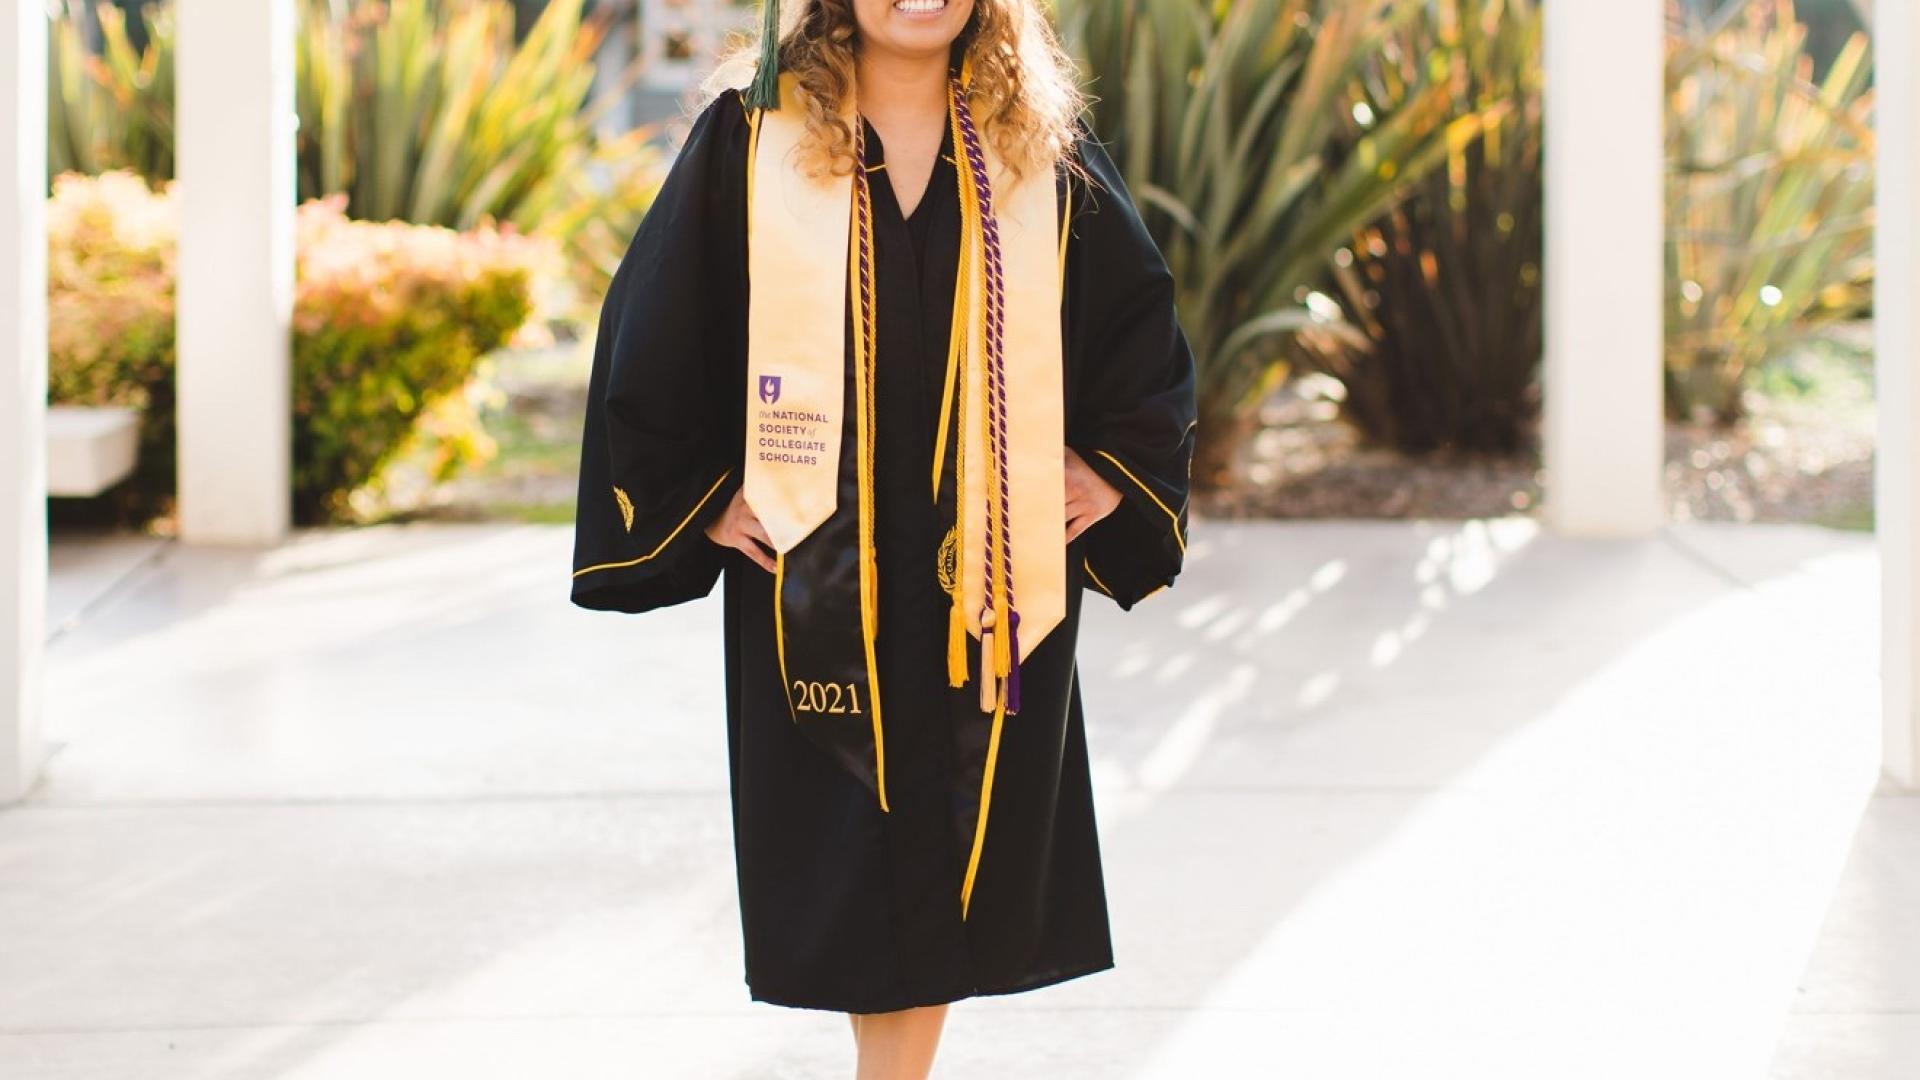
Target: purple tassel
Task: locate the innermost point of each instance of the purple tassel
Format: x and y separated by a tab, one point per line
1013	669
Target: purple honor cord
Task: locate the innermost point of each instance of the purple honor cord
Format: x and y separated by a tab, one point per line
997	388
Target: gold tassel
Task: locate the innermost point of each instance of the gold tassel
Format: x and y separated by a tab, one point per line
959	363
1002	650
956	644
988	678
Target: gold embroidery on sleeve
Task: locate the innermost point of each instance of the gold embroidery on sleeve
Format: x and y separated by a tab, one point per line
1171	516
661	546
626	507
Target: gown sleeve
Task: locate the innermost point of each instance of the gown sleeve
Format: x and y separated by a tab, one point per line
1131	405
661	449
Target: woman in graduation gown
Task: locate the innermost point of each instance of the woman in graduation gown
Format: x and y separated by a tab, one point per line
872	879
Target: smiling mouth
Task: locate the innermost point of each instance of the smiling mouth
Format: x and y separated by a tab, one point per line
919	7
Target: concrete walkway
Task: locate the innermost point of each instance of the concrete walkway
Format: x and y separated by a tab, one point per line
1378	800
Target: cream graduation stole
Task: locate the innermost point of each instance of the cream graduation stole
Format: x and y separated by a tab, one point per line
1008	577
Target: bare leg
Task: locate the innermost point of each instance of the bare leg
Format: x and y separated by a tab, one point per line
898	1045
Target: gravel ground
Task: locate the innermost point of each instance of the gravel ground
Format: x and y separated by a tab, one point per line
1804	454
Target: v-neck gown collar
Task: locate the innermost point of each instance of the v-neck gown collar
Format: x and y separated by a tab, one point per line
939	180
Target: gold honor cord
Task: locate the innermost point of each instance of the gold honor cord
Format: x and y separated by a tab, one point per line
974	233
956	383
1066	220
860	288
956	340
780	632
986	798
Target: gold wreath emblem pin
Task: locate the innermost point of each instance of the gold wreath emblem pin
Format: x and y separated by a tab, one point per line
947	560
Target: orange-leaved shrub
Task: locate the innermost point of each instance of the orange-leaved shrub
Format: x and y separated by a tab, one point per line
389	321
110	318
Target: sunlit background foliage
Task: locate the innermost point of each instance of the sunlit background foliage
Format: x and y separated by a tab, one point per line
1348	193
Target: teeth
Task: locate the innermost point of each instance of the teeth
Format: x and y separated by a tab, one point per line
919	7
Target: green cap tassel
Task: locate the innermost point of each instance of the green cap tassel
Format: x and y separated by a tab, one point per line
764	92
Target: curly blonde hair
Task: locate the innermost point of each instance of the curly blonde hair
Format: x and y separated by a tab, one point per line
1024	90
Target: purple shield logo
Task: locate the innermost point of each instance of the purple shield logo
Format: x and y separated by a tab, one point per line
769	388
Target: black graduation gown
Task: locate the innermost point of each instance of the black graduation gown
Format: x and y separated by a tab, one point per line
844	906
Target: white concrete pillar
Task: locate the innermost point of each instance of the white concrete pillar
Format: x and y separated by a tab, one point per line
1896	307
1603	451
23	393
234	158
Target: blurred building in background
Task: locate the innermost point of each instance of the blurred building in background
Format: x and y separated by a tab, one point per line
664	46
672	42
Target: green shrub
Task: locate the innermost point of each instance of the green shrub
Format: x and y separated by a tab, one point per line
1446	286
1229	122
109	107
389	322
110	279
418	110
1769	197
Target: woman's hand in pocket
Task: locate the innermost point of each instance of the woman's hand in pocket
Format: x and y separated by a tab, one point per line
1089	496
737	527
